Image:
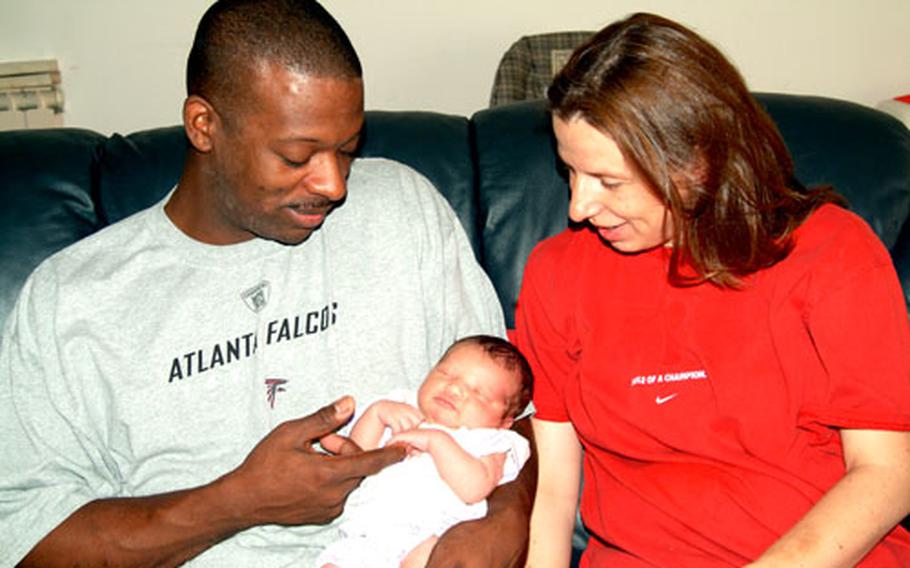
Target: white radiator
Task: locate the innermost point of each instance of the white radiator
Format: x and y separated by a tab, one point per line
30	95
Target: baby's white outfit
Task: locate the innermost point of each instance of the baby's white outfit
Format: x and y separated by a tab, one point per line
406	503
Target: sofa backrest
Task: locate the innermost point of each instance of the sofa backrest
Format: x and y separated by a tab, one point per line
60	185
862	152
45	189
436	145
522	195
498	170
137	170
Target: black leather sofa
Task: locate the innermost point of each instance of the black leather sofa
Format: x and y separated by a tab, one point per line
497	168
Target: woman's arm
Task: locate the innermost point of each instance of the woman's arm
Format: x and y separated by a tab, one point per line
860	509
558	480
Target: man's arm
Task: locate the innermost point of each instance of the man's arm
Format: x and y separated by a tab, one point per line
860	509
501	538
169	529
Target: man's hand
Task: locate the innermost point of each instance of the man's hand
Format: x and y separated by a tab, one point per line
286	481
283	481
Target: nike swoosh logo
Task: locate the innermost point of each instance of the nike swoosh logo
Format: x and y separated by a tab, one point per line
663	399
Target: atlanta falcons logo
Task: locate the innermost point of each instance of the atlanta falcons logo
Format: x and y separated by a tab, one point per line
272	388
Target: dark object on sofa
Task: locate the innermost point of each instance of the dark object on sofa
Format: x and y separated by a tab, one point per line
498	169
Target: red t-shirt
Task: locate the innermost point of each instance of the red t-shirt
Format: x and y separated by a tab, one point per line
709	416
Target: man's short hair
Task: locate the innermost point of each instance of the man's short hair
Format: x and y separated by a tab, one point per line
234	35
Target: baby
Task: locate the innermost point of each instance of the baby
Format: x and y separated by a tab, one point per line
457	429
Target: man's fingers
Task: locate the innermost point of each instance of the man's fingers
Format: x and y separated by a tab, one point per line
339	445
373	461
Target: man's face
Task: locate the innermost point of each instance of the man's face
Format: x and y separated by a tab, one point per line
280	163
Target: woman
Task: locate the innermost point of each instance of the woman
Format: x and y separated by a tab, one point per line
730	350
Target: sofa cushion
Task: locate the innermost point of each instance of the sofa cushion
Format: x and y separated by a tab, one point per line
523	198
863	153
137	171
46	181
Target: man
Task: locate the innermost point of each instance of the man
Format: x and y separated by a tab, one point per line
153	374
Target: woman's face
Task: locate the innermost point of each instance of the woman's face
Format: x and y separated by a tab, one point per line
606	192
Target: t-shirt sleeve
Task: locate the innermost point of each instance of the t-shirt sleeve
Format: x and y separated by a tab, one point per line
543	334
859	326
51	463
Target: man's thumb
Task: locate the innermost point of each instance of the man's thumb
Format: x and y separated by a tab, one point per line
327	419
344	408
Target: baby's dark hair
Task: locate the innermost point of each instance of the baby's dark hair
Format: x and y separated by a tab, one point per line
510	358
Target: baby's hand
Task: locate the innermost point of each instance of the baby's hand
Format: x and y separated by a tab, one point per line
398	416
419	440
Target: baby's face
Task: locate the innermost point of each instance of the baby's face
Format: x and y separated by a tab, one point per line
467	388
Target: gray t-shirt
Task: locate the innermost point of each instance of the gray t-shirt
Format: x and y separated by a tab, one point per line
139	361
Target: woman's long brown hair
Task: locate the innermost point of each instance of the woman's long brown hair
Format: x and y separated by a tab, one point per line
684	119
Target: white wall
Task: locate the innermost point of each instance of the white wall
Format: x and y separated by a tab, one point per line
122	60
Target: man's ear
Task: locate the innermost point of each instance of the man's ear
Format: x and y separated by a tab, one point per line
199	122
